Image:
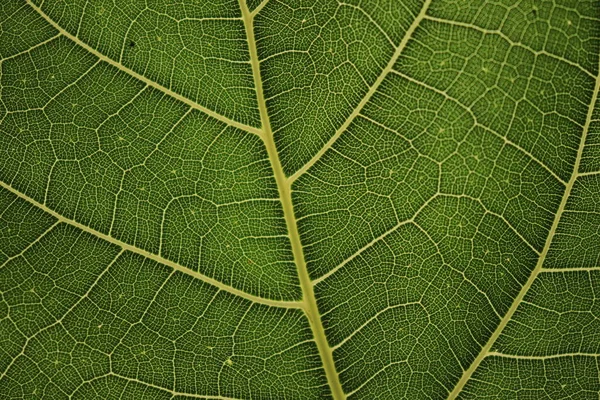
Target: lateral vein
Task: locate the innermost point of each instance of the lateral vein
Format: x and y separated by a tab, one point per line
486	349
518	357
142	78
170	391
30	245
367	97
157	258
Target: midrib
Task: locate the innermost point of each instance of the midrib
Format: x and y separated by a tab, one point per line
309	301
486	350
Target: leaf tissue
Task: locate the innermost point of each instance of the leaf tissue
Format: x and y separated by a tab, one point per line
299	199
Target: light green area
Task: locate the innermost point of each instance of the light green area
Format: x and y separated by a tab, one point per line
299	199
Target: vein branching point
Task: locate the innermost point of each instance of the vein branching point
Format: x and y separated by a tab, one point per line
283	199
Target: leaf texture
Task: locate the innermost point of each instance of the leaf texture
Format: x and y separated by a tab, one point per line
299	199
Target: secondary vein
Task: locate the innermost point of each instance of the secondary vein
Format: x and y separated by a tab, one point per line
368	96
486	350
142	78
157	258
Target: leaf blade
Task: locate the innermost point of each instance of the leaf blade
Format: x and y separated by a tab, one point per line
390	226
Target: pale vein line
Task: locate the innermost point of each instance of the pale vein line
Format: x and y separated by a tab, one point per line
284	187
30	49
403	361
68	86
461	273
509	40
367	97
373	318
538	268
260	7
379	28
157	258
590	173
360	251
59	321
574	269
518	357
479	124
375	240
142	78
499	216
30	244
174	393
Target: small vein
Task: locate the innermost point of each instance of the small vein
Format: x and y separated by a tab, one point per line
509	40
30	49
366	14
367	97
174	393
157	258
565	270
487	348
142	78
30	244
371	319
373	242
590	173
479	124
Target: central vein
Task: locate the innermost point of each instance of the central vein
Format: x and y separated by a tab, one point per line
285	194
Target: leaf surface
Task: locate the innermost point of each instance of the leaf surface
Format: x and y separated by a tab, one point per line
286	199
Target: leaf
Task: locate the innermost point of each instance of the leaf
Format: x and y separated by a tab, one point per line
299	199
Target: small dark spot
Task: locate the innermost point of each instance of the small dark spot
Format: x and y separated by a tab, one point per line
534	13
132	44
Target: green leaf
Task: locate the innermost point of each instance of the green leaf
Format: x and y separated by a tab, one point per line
299	199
